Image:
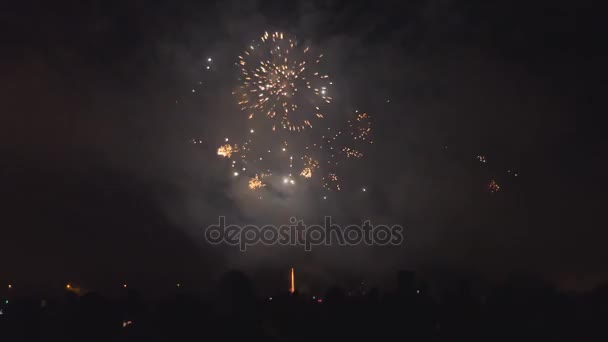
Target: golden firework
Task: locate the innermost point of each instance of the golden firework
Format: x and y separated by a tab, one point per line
281	80
352	153
227	150
309	166
256	183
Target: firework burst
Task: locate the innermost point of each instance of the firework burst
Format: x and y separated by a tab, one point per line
493	186
256	183
361	127
280	80
227	150
283	92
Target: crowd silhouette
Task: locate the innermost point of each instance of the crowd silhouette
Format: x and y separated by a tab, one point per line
515	310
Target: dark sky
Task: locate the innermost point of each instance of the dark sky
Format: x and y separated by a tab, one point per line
100	183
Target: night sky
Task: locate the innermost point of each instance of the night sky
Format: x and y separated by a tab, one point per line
101	183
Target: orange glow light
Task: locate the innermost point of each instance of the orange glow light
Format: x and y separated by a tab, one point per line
293	281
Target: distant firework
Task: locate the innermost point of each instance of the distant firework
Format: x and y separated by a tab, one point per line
332	182
493	186
227	150
361	127
256	183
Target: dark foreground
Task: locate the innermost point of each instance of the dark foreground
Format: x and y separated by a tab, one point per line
522	312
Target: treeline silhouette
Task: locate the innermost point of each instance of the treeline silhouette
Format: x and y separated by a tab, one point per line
522	310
